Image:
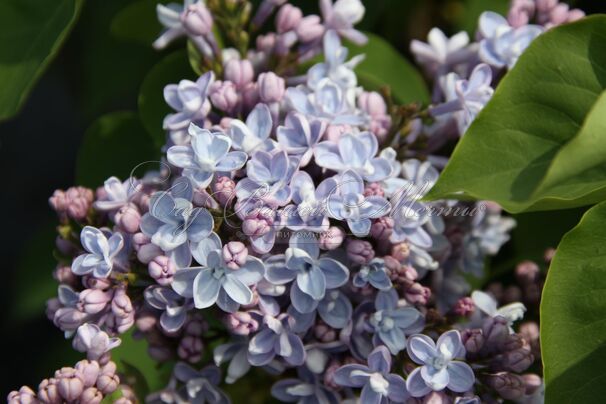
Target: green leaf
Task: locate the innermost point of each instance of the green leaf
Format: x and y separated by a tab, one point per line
573	323
385	66
539	143
31	33
152	107
114	145
137	22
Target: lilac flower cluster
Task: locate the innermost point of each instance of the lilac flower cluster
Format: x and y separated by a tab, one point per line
287	230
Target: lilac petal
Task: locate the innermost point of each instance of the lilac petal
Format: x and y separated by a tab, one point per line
238	366
251	273
199	225
380	280
490	22
301	321
181	156
379	360
206	289
406	317
436	379
303	302
280	390
263	342
78	267
336	274
353	150
189	93
369	396
261	359
183	281
259	121
102	270
183	372
350	182
327	155
94	241
298	100
421	348
415	384
202	249
265	243
461	376
394	339
162	207
232	161
374	207
172	323
276	271
352	375
397	391
450	345
237	290
291	349
360	228
181	188
226	303
386	300
169	237
306	241
484	302
312	282
171	96
150	225
200	178
336	313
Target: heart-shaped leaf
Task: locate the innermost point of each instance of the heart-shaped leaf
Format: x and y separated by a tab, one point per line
539	143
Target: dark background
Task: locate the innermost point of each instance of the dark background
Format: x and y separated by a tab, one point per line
96	73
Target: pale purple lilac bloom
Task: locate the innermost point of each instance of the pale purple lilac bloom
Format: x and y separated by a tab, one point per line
373	273
90	339
342	16
307	389
334	309
102	254
441	53
299	136
201	385
255	133
275	338
173	306
118	193
309	211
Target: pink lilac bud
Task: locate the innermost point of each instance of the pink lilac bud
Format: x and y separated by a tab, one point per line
527	272
266	43
518	17
224	96
63	274
360	251
240	72
162	269
496	331
473	340
25	395
148	252
93	301
379	126
532	382
241	323
530	331
128	393
417	294
139	240
120	324
91	396
69	319
287	18
89	370
257	223
332	238
271	87
250	96
197	20
325	333
374	189
372	103
73	203
190	349
224	190
518	360
146	321
559	14
235	254
334	132
310	28
382	228
437	397
128	218
69	383
48	393
108	383
400	251
575	15
90	282
509	386
121	304
464	307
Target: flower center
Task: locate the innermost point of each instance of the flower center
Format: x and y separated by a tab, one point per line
378	383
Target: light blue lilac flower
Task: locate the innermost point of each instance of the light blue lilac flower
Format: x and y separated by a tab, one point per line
439	369
501	44
299	136
172	221
328	101
276	339
254	134
236	353
190	101
208	153
173	306
170	17
419	177
348	203
102	254
90	339
334	66
118	193
309	211
373	273
334	309
307	389
213	282
268	176
378	384
342	16
313	274
490	228
441	53
409	218
391	323
201	385
354	152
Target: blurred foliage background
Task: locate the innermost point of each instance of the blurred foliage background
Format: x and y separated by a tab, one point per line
100	69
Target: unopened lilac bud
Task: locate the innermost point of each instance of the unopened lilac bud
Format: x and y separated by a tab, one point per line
575	15
121	304
382	228
91	396
52	305
532	382
25	395
509	386
310	28
372	103
241	323
48	393
271	87
527	272
266	43
360	251
559	14
120	324
518	360
464	307
240	72
417	294
197	20
146	320
90	282
513	342
162	269
108	383
324	333
374	189
437	397
69	318
332	238
400	251
257	223
287	18
128	218
496	331
92	301
89	370
69	383
530	331
190	349
73	203
148	252
235	254
224	190
63	274
224	96
473	340
139	240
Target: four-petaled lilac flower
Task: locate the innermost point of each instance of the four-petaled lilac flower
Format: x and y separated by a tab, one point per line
118	193
342	16
350	204
208	153
354	152
170	17
201	385
502	44
373	273
313	274
409	218
190	100
299	136
276	339
90	339
254	134
173	306
334	309
214	282
441	52
391	323
103	252
306	389
377	383
440	370
309	211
